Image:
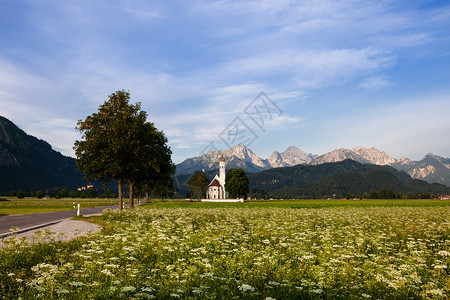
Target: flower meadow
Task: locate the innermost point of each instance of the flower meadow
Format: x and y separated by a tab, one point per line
242	253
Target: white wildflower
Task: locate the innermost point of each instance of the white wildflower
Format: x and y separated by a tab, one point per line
436	292
76	283
317	291
62	291
246	288
126	289
440	267
106	272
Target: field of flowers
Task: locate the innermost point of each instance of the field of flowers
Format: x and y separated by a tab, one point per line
242	253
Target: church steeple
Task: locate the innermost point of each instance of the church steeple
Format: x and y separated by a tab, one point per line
222	170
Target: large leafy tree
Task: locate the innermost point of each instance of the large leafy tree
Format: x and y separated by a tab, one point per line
111	146
236	183
198	184
152	164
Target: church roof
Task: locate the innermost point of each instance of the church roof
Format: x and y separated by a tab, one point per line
215	182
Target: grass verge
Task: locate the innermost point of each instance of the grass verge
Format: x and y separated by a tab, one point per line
33	205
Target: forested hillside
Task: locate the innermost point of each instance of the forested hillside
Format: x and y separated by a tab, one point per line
338	179
28	163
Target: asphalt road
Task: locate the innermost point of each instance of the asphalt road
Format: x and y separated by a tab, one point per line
27	222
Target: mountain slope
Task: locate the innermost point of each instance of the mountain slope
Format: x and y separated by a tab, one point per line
432	168
374	156
343	177
358	184
29	163
290	157
301	175
237	156
339	155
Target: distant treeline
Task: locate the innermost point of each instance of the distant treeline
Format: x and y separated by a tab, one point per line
259	194
91	192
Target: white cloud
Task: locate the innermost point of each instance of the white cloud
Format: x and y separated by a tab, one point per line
317	68
375	82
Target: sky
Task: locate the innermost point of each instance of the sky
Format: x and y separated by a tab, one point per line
316	74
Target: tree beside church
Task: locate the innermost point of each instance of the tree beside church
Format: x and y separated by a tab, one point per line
237	183
198	184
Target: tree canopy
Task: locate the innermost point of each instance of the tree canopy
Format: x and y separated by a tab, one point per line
198	184
119	144
236	183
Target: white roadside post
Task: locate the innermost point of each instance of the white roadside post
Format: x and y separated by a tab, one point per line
78	210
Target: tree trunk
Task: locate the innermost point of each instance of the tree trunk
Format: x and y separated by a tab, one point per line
130	184
119	182
146	193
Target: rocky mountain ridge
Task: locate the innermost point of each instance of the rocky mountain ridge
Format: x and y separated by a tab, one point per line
432	168
239	156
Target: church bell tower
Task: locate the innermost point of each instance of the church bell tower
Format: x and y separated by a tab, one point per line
222	170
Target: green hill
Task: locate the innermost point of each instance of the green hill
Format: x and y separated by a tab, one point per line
345	177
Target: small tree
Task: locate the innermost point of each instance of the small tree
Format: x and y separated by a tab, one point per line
39	194
74	194
63	193
236	183
108	193
20	194
91	192
163	188
198	184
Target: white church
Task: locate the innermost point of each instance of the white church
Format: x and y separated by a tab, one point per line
216	189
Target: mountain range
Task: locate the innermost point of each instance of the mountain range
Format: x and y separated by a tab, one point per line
29	163
431	168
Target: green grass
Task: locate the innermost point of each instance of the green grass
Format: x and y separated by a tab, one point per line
306	203
34	205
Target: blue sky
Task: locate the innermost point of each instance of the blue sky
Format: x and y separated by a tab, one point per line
338	74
